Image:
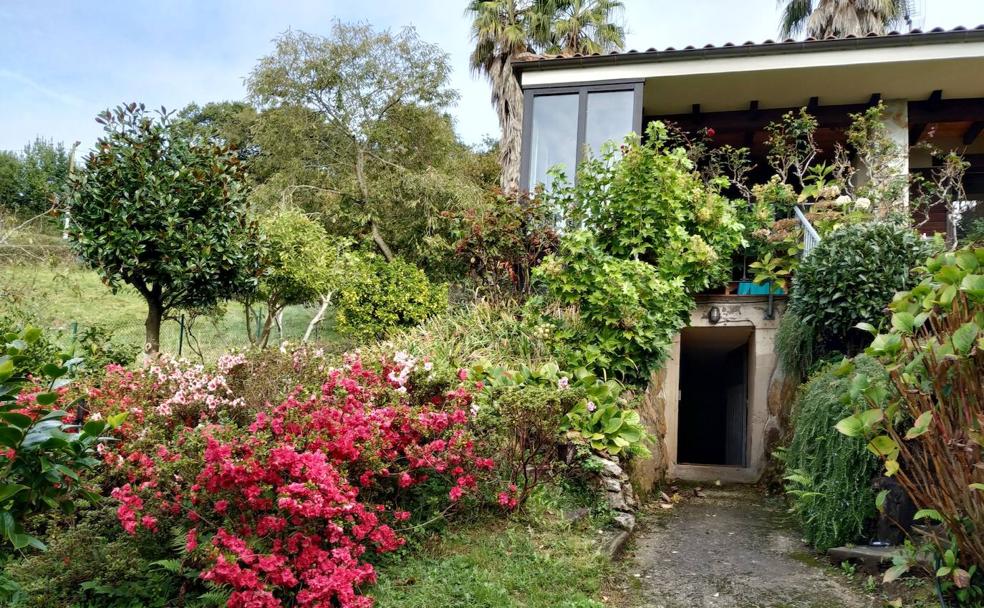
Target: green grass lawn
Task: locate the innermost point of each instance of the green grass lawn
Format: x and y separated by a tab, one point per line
60	294
536	560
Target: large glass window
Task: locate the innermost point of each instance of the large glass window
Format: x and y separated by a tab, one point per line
565	124
554	135
609	118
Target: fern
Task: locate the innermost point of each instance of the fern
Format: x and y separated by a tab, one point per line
210	599
171	565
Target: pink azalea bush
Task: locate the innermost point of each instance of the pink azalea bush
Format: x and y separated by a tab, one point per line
284	504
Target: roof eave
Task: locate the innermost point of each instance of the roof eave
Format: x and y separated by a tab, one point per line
755	50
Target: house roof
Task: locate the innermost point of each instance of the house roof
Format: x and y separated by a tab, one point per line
916	37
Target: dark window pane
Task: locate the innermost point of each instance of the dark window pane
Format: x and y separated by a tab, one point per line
554	136
609	118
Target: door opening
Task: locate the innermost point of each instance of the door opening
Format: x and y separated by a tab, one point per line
713	400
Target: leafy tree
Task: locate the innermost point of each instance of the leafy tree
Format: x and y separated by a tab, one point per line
354	83
10	170
227	123
163	213
823	18
299	266
44	169
504	29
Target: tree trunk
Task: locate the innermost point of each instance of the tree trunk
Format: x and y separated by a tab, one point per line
272	312
152	326
507	97
377	238
325	301
360	176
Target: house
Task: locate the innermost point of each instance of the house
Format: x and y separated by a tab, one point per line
719	404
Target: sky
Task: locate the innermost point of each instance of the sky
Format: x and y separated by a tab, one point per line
64	61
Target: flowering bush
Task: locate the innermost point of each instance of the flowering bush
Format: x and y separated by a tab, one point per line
286	510
43	449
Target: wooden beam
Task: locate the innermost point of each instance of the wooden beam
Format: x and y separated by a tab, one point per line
829	117
935	98
753	107
813	105
947	110
972	132
916	132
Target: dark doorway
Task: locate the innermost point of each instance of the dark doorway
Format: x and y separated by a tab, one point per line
713	405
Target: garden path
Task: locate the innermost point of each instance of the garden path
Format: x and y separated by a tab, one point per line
731	547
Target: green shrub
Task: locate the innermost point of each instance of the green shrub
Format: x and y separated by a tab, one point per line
646	232
500	334
380	296
621	314
89	562
794	345
849	277
830	476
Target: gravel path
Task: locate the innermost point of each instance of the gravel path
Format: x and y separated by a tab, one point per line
730	548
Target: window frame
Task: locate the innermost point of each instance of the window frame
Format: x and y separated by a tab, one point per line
582	91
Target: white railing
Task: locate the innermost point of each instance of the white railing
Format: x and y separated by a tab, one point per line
810	236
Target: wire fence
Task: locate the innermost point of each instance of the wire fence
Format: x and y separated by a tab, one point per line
205	338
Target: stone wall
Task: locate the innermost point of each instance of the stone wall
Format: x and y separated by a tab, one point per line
771	394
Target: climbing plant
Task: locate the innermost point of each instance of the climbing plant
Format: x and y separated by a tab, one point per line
645	232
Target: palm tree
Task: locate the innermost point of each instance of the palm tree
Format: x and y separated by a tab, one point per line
586	26
501	30
505	29
823	18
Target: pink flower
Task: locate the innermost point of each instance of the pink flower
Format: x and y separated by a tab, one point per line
191	540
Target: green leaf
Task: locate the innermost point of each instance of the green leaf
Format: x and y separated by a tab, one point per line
10	436
94	428
947	294
869	418
883	446
116	420
903	322
880	499
11	489
977	486
921	425
891	467
19	420
964	337
53	371
973	286
46	398
966	260
928	514
852	426
886	344
868	327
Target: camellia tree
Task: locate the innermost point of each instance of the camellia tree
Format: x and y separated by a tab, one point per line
162	213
